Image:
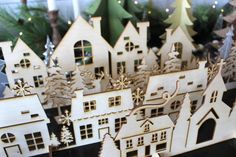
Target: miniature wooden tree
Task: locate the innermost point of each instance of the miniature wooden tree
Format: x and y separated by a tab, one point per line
58	90
181	17
49	51
182	124
113	14
226	48
229	69
54	140
66	136
53	143
132	7
174	63
108	147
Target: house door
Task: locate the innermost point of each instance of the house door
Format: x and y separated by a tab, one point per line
103	132
206	131
13	151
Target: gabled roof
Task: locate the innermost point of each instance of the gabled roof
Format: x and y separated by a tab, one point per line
127	28
72	31
22	47
21	110
134	127
210	111
217	82
174	35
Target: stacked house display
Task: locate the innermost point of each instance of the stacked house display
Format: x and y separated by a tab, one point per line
131	100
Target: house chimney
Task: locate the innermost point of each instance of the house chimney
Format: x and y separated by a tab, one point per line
168	34
202	64
96	23
143	26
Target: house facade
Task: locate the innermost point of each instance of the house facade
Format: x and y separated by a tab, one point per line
97	114
192	81
182	45
23	64
145	137
207	125
131	48
83	46
24	131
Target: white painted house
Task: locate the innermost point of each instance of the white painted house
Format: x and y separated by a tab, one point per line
210	124
182	44
23	64
145	137
84	46
131	48
192	81
23	127
96	114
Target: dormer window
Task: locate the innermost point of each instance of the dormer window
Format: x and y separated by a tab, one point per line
25	63
83	53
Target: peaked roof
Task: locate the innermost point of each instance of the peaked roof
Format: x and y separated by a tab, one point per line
127	28
76	25
21	46
217	82
134	127
174	32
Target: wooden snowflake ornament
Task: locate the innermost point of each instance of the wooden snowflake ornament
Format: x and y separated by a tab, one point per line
138	96
66	119
22	88
212	71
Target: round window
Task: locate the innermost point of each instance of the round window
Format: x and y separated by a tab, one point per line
8	138
25	63
129	46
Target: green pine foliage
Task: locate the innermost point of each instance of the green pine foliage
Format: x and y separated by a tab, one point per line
31	24
206	18
135	10
113	16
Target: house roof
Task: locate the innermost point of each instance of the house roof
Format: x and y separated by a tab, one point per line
134	127
77	24
217	81
22	47
159	81
175	34
21	110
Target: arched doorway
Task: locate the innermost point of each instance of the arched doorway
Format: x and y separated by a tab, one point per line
206	131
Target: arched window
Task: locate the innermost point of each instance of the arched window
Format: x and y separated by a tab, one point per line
179	48
206	131
8	138
214	96
83	53
175	105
